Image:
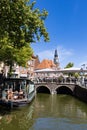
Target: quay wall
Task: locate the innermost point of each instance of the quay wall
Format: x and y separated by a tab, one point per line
80	93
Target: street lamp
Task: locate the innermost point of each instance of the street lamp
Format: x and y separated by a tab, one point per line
81	71
82	76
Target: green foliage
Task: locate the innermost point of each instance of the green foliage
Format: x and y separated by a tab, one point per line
10	55
76	75
69	65
20	25
60	78
21	22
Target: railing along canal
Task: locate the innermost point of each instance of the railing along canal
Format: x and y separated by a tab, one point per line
75	81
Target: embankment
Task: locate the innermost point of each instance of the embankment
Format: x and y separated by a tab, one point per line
80	93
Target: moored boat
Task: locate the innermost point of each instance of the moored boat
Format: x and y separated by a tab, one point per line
16	92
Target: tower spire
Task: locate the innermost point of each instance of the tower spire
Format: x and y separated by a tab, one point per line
56	59
56	54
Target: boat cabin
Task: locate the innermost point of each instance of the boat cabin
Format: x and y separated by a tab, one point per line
17	90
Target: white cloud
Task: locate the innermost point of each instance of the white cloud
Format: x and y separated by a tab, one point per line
63	54
47	54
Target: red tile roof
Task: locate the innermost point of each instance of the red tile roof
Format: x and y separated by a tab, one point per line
46	64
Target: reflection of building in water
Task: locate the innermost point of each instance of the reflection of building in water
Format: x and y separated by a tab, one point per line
27	118
66	106
22	118
81	113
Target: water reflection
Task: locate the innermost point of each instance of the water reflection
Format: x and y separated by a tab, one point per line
60	105
47	112
59	112
19	119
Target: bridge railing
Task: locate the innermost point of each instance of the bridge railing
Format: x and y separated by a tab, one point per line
61	81
54	80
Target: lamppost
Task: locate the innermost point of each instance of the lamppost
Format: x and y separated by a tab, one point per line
82	76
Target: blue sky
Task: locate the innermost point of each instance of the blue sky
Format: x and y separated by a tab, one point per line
67	28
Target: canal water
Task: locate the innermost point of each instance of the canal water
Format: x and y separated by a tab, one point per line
47	112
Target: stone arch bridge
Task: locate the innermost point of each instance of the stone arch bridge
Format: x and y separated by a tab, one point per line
55	88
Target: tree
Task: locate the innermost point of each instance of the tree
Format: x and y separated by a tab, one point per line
69	65
76	75
20	25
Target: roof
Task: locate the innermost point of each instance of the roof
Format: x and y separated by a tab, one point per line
46	64
44	70
34	57
67	70
71	68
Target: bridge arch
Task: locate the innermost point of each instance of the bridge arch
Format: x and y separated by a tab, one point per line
64	90
43	89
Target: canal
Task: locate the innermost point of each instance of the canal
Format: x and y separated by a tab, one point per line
47	112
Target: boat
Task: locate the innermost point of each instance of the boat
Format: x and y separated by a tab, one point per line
16	92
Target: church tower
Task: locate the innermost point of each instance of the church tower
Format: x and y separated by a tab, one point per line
56	59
